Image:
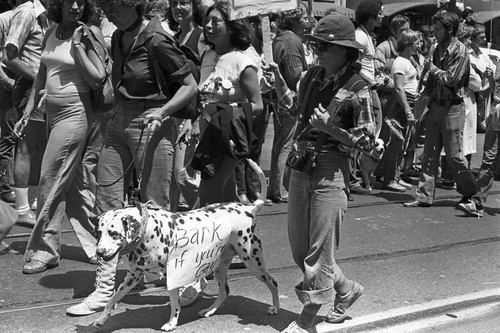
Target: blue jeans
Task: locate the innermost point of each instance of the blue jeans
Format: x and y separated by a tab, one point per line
317	205
124	146
489	163
284	130
62	191
444	129
247	180
187	180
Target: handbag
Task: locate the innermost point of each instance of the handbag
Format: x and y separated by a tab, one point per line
229	132
102	97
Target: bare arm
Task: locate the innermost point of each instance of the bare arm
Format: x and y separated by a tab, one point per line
87	59
249	84
181	98
399	80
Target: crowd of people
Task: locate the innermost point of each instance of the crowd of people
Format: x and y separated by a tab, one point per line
332	88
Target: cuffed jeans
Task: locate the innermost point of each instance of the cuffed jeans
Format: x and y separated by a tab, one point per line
123	145
284	130
444	129
317	205
62	189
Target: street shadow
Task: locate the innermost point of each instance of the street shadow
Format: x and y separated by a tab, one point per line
81	281
394	196
247	310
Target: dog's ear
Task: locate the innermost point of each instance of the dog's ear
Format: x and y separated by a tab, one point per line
131	227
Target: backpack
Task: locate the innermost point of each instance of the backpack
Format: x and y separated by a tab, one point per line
190	111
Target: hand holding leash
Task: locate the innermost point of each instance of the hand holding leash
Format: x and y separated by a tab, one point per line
153	122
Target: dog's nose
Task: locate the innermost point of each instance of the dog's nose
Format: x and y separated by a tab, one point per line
99	252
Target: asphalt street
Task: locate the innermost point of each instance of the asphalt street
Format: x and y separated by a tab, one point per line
431	269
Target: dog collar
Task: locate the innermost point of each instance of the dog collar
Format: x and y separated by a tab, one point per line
143	211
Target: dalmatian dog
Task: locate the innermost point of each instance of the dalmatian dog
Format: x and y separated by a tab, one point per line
182	248
369	161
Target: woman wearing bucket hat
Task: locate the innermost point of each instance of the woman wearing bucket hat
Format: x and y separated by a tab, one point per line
335	115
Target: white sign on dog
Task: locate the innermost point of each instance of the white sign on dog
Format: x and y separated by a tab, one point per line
196	250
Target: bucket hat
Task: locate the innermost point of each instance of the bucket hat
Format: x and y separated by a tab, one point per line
335	28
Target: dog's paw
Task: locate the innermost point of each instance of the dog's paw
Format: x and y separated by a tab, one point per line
273	310
206	313
168	327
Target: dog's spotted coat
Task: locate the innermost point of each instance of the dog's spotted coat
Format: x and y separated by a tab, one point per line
151	247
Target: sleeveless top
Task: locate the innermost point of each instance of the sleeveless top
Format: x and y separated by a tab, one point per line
63	74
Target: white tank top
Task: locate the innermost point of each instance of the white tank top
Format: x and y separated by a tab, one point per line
63	75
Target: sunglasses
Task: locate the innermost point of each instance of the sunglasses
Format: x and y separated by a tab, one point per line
320	47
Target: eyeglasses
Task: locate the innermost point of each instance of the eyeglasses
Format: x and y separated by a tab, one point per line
213	20
176	3
320	47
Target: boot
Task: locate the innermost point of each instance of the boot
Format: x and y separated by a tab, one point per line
104	288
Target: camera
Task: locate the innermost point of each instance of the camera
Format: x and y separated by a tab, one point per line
301	160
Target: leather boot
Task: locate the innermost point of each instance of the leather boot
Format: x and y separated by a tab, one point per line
104	289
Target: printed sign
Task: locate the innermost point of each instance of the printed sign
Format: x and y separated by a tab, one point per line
245	8
196	250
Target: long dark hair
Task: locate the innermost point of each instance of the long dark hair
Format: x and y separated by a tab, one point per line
198	13
242	32
54	11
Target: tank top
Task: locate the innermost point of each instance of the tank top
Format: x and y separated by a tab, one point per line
63	75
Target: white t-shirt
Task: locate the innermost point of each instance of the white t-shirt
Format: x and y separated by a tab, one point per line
220	76
367	56
403	66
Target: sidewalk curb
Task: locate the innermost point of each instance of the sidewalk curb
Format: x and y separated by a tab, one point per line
393	317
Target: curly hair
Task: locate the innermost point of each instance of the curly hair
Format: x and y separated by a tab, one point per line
109	5
198	13
448	20
289	18
367	9
242	32
54	11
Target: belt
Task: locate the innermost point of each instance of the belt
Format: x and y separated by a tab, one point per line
455	101
327	145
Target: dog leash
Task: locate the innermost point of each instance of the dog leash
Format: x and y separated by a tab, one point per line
129	167
135	194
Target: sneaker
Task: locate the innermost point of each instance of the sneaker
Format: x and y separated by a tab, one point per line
472	208
188	295
343	303
358	189
27	219
393	186
405	184
416	203
295	328
448	185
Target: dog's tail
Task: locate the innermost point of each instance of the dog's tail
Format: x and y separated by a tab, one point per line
263	186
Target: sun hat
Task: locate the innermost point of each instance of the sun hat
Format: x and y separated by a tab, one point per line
335	28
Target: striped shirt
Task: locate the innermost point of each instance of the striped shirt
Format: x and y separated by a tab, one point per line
26	34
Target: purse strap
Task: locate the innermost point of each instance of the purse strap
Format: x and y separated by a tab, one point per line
97	46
